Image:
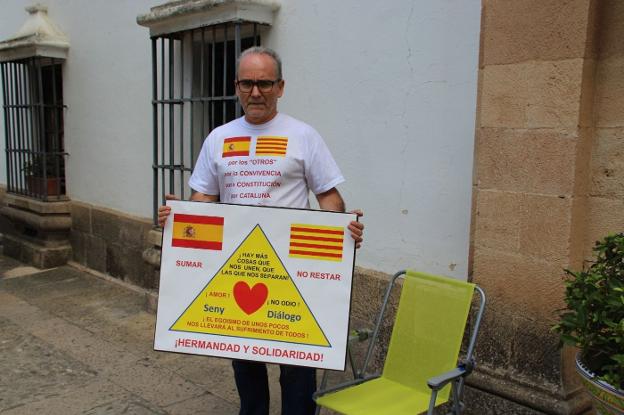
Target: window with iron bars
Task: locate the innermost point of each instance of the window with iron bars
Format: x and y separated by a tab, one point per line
33	122
193	92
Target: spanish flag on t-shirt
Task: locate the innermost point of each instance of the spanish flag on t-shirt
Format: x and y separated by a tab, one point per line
316	242
236	146
195	231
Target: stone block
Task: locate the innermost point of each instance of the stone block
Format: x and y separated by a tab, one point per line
609	106
136	270
611	28
588	94
534	161
607	163
497	220
133	232
520	286
605	216
128	264
36	255
532	95
493	347
78	242
81	217
96	253
154	237
536	352
546	227
518	31
480	402
114	260
105	225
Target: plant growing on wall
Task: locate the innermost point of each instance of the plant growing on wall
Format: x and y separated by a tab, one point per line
594	317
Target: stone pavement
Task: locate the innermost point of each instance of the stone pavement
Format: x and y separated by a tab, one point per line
74	343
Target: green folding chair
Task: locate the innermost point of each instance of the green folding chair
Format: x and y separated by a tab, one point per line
421	369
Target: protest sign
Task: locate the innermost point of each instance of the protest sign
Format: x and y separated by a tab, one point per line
256	283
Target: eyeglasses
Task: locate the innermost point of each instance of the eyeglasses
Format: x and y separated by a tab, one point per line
264	85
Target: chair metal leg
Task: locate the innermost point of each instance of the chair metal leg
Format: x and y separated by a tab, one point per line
434	396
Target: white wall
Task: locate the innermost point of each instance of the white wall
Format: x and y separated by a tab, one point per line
107	90
390	85
392	88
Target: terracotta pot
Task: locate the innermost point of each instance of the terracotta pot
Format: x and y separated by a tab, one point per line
607	399
50	186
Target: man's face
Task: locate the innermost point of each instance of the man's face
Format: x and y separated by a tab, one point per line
259	106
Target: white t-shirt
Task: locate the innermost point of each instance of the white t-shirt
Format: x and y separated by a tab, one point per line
271	164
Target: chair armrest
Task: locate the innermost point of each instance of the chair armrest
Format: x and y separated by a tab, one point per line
438	382
343	385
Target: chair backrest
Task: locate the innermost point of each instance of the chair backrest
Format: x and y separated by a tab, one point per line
428	329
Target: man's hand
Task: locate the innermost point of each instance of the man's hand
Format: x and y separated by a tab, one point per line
164	211
357	229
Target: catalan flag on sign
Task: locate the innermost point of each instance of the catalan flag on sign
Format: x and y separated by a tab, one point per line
316	242
236	146
271	146
195	231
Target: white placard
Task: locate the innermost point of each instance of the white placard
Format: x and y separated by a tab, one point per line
256	283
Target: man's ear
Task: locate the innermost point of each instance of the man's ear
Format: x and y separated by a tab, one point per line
280	86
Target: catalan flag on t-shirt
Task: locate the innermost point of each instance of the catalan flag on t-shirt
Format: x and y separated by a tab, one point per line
271	146
236	146
316	242
195	231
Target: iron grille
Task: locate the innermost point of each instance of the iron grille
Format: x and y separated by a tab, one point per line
33	122
193	92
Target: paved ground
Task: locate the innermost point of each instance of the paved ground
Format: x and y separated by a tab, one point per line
73	343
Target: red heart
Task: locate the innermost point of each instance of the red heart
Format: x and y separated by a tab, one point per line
250	299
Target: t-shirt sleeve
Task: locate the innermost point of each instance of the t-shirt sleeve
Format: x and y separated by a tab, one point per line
204	178
321	171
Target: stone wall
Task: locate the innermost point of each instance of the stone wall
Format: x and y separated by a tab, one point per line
606	192
549	179
112	243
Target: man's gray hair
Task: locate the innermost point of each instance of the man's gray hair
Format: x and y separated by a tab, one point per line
261	50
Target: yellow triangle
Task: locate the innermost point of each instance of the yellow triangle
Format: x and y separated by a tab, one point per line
253	296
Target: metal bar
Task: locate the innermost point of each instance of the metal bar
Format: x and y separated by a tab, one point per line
211	123
14	128
162	117
41	136
181	43
225	50
34	114
382	312
24	136
255	35
201	89
20	122
182	101
237	52
192	103
179	167
3	68
171	114
155	203
55	135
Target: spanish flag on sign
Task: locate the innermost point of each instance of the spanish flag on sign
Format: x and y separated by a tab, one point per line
316	242
194	231
236	146
271	146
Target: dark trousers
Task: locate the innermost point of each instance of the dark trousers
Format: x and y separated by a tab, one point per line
297	383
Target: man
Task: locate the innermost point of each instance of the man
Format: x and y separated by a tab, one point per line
271	159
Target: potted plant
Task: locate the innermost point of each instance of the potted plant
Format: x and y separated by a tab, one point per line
43	178
594	322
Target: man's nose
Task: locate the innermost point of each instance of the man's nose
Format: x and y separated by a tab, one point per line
255	91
